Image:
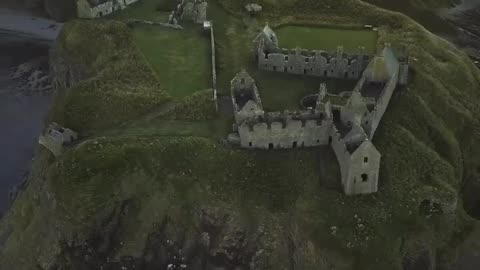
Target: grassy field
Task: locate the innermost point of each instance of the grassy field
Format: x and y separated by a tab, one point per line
328	39
280	92
181	59
427	138
122	85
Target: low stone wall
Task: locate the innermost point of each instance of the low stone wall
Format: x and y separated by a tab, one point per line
173	26
214	67
340	149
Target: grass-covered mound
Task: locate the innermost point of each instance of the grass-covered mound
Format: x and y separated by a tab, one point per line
123	85
428	138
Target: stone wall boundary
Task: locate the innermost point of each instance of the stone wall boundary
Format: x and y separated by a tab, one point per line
214	66
168	25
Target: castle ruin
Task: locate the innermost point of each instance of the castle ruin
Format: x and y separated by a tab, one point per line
347	127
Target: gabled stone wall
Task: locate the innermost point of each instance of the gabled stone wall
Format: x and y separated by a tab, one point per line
359	169
291	132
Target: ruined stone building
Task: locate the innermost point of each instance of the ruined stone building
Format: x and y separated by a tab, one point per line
56	137
189	10
347	127
90	9
338	64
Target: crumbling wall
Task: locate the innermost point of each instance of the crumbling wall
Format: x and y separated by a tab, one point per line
340	149
363	170
102	9
289	134
314	63
371	121
190	10
360	169
403	74
244	85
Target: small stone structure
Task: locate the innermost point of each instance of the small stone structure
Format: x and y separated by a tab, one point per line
189	10
56	137
253	8
348	127
168	25
90	9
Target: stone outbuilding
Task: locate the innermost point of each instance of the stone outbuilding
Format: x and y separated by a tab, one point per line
90	9
56	137
193	10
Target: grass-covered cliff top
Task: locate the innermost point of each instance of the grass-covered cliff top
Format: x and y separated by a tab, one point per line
428	139
121	87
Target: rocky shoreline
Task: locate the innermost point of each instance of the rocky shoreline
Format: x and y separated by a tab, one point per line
24	95
465	19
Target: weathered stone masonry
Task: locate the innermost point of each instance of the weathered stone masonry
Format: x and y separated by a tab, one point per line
299	61
347	128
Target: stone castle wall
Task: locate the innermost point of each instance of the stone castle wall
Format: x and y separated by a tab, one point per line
314	63
289	134
359	170
372	120
340	149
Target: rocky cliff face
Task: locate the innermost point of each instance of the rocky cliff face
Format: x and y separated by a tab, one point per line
65	71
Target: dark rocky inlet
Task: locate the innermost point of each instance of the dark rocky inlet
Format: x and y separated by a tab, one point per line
24	95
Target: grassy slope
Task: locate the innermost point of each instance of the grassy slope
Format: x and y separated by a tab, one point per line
424	136
181	59
124	85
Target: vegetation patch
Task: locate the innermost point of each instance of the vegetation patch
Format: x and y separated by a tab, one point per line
197	106
181	58
327	39
123	86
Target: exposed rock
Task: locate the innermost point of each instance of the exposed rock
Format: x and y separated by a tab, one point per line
419	261
33	75
253	8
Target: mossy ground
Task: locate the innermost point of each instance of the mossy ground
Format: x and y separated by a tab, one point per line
328	39
181	58
123	85
427	139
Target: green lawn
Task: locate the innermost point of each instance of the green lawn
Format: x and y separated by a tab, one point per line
181	59
328	39
284	91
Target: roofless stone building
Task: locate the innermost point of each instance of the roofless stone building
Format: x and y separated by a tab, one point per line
346	127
